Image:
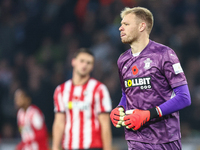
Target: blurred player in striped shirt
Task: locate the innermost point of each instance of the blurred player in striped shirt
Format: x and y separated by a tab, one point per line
82	106
31	123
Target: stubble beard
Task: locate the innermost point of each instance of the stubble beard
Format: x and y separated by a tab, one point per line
129	40
82	75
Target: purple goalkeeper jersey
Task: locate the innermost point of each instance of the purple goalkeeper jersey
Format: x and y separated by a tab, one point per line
148	81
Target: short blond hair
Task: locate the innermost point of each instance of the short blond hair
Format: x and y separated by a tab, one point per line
142	13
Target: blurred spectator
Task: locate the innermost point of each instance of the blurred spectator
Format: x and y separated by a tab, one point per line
8	131
105	54
5	73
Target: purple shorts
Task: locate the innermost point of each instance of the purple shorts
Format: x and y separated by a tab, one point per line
134	145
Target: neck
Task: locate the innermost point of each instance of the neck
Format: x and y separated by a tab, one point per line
138	45
26	107
79	80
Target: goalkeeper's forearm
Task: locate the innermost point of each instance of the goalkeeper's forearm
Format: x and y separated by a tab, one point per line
179	101
123	100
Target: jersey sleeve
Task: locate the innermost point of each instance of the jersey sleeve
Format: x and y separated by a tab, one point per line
103	100
37	121
123	98
58	100
172	69
181	100
19	121
120	76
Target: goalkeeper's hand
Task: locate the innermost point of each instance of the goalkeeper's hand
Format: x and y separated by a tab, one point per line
136	118
116	116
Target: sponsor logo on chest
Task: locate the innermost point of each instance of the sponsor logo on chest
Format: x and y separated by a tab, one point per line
143	83
79	105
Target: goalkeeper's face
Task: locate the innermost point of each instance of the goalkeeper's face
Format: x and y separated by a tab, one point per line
83	64
130	29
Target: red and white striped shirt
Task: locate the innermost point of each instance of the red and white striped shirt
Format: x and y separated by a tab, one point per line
32	128
82	104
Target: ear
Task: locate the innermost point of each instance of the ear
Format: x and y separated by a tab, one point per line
73	62
142	26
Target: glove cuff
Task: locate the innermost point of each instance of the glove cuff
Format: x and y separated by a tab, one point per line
120	106
154	113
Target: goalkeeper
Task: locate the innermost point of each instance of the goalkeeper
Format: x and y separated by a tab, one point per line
154	87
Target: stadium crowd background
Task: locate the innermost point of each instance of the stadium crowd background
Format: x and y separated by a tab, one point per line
38	39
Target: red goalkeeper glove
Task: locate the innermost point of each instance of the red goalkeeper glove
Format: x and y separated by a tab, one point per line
116	116
136	118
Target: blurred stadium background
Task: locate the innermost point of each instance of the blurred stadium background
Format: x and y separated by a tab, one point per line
38	38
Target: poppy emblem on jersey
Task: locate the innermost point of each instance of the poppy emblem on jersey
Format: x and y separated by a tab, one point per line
147	63
134	70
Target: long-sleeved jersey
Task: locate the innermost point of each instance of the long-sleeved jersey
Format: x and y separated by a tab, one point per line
148	81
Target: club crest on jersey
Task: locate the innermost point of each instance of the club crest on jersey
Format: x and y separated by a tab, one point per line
147	63
85	92
143	83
